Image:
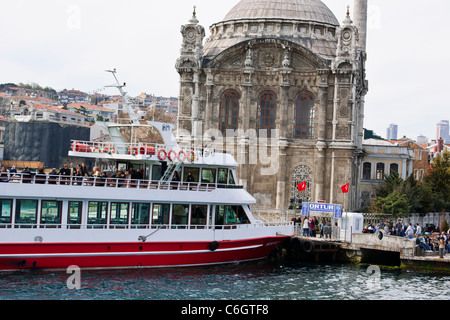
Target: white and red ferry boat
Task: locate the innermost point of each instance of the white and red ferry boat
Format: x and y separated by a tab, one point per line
184	208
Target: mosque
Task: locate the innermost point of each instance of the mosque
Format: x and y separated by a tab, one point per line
281	84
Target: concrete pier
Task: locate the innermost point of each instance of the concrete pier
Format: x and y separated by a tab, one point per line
378	249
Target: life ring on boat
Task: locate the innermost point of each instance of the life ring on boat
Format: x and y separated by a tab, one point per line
213	246
182	156
172	155
191	156
308	246
162	154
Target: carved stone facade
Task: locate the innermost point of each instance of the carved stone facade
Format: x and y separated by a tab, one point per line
294	73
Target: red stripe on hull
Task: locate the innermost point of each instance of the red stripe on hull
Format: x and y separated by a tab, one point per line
131	255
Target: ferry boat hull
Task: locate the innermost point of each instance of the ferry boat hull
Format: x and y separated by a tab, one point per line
59	256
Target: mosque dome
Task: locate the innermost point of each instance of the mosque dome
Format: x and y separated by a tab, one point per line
305	10
309	23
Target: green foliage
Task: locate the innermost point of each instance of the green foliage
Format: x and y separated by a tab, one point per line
401	197
395	203
439	181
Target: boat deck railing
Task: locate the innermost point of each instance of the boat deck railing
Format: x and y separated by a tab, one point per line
140	149
106	182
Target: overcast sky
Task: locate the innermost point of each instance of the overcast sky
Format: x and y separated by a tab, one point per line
68	44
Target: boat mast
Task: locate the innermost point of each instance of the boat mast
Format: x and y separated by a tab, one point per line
134	119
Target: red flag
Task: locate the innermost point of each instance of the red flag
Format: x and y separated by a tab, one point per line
346	188
302	186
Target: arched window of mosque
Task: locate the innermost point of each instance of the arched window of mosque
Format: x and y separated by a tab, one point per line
304	106
229	111
267	113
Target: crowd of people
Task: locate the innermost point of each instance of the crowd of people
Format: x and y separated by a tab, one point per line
78	172
313	227
430	238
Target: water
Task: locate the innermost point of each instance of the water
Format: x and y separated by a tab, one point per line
256	281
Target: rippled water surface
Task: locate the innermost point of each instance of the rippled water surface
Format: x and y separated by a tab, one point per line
258	281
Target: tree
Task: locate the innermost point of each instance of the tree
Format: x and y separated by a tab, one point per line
438	179
395	203
418	194
391	183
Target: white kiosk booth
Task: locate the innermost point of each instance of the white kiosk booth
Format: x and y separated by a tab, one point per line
350	223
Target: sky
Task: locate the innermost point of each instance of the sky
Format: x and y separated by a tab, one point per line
67	44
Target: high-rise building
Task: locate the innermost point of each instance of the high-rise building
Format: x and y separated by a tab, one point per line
422	140
392	132
442	130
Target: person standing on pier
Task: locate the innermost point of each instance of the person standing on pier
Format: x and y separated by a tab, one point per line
306	227
441	246
399	228
410	231
418	230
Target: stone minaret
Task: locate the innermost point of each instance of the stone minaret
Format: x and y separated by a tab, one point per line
360	17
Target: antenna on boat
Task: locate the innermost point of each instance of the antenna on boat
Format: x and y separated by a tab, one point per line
133	118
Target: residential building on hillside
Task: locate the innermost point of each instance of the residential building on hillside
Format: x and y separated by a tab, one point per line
92	112
146	99
421	157
437	147
13	91
17	100
73	96
45	113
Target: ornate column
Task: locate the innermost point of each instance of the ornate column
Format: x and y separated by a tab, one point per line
321	136
282	126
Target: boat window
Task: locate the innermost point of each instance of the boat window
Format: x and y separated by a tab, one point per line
198	215
97	212
208	175
231	179
50	212
177	176
160	214
74	214
193	176
5	211
180	214
26	212
119	213
140	213
219	218
231	215
156	172
223	175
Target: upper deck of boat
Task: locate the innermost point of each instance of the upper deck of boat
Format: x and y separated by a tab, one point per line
109	182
